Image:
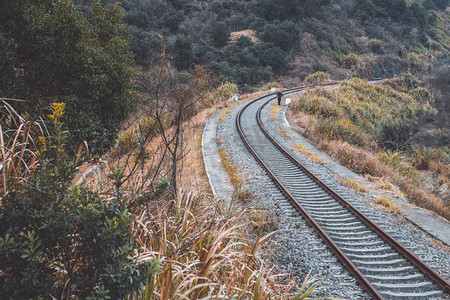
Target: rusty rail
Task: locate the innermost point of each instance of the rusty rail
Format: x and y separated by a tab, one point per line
440	281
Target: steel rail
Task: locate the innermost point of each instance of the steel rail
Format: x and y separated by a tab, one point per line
346	262
416	261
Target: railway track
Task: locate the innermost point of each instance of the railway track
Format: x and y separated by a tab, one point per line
384	268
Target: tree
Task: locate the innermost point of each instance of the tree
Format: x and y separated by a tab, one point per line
175	102
181	48
270	55
137	18
220	34
283	34
267	9
145	47
171	19
58	53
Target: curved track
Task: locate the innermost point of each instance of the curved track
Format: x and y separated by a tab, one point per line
385	268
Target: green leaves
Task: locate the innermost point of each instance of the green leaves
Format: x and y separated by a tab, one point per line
62	240
65	55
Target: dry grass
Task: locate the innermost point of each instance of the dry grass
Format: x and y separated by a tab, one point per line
308	153
353	184
365	162
18	139
248	33
389	204
283	132
231	170
201	253
363	156
274	111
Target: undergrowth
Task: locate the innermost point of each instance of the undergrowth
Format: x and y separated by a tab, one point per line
116	236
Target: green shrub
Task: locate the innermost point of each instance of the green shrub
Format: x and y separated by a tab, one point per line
181	47
342	129
270	55
137	18
376	46
220	33
60	241
408	81
350	60
171	19
282	34
394	136
421	94
145	46
317	77
80	58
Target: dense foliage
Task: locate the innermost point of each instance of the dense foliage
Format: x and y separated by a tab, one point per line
361	113
56	51
59	239
293	38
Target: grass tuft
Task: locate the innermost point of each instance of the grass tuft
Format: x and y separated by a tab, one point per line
308	153
389	204
353	184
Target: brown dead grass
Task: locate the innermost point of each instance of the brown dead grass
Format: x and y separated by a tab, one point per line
207	250
274	111
353	184
308	153
367	163
249	33
388	204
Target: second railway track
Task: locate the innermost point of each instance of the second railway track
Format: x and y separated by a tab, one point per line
385	268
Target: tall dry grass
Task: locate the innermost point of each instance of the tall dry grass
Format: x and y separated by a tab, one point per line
18	143
202	253
203	248
370	162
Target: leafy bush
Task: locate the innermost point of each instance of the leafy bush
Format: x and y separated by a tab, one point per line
63	53
270	55
350	60
58	240
376	45
317	77
171	19
220	33
283	34
421	94
137	18
145	47
182	49
395	136
409	81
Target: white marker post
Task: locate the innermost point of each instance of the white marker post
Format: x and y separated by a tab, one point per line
287	101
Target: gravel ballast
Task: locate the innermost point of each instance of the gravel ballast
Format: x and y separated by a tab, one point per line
297	250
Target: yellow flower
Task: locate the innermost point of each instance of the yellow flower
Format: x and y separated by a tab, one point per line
57	110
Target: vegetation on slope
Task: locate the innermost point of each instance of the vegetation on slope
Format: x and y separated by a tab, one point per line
294	38
368	127
55	52
130	231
